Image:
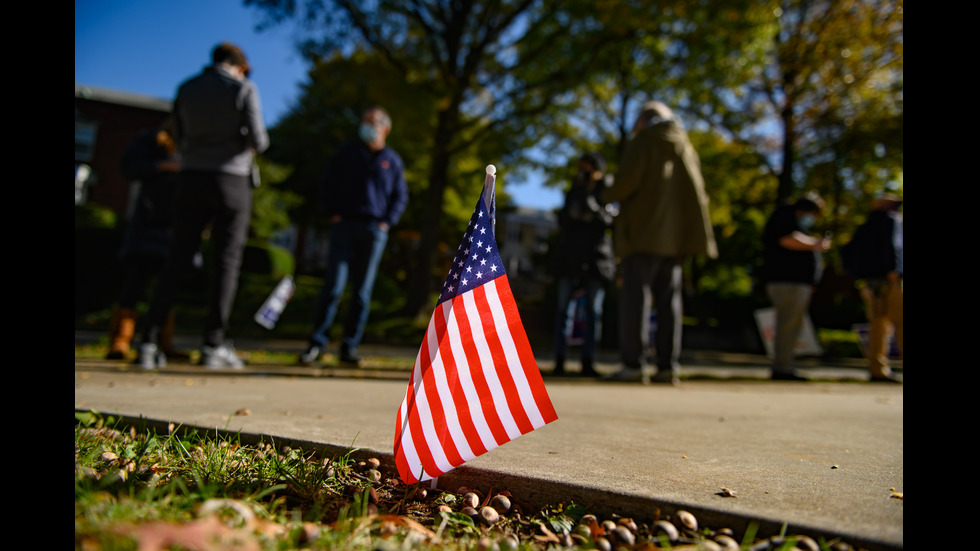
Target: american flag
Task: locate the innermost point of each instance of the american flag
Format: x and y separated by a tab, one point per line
475	384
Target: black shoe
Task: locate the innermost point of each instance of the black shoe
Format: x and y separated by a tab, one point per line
310	355
781	376
559	370
666	376
349	357
588	368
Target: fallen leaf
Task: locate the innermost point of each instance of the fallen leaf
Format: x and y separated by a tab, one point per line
725	492
898	495
243	411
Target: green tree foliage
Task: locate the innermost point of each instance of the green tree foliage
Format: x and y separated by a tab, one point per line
819	79
490	71
780	96
271	201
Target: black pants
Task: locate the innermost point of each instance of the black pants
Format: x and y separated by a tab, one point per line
225	202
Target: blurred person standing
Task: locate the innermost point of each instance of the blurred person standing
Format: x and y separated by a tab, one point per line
150	163
364	194
875	258
583	258
219	130
663	220
792	266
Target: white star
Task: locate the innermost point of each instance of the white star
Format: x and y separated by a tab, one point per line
489	248
483	231
474	257
493	267
456	276
479	275
450	289
479	243
469	269
463	283
483	262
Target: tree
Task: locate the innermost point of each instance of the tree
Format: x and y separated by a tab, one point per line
819	69
488	68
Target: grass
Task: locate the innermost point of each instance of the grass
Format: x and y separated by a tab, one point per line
136	488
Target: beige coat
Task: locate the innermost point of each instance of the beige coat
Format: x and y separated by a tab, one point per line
663	203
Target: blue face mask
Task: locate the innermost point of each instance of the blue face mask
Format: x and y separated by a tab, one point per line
368	132
806	221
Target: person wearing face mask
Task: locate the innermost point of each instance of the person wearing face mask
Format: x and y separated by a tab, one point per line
792	266
363	193
584	261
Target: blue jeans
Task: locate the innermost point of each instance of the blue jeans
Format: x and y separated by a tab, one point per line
594	295
354	254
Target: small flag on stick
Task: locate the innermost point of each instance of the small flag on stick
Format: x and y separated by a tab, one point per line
475	384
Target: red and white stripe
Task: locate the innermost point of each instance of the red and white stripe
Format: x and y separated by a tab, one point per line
475	385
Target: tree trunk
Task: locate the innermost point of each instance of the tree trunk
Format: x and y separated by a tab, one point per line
786	187
420	281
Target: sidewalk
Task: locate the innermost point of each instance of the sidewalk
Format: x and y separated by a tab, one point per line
824	457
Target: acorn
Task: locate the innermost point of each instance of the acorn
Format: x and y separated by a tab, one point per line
687	521
727	543
470	499
500	503
665	528
489	515
624	536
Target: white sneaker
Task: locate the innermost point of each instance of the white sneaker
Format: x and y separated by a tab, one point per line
220	357
151	357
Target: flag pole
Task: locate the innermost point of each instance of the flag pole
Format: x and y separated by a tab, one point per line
488	195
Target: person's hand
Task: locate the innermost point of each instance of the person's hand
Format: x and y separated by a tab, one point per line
383	226
824	244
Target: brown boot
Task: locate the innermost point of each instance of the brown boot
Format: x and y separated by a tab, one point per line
167	341
122	327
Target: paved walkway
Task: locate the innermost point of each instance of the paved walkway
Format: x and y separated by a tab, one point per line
824	457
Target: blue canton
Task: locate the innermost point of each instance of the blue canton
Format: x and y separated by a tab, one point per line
477	260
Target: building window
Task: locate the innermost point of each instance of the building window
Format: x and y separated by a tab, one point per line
85	140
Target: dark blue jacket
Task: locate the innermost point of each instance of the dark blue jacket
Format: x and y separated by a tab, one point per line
361	184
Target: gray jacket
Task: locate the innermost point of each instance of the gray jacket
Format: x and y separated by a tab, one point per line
219	123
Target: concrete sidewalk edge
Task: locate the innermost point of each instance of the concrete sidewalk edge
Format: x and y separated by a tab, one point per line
527	490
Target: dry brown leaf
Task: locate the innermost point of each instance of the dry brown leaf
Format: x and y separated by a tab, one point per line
898	495
243	411
204	535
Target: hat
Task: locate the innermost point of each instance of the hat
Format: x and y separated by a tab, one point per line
595	159
655	109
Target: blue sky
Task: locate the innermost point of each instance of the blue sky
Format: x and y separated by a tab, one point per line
149	46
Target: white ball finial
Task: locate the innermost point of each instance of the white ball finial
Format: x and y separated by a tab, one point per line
491	170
